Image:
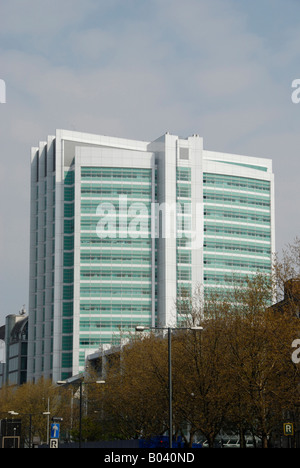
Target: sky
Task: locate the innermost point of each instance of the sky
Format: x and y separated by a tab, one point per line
136	69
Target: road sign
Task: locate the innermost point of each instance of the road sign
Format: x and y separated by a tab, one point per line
54	431
53	443
288	429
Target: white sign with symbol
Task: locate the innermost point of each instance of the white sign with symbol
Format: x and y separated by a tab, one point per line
54	443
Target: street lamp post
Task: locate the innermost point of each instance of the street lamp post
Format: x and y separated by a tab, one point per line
141	329
30	430
81	382
80	407
8	431
14	413
170	387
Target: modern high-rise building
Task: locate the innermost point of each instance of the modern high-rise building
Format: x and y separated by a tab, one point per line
119	228
13	349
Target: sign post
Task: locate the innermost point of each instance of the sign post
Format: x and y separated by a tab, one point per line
54	436
53	443
288	430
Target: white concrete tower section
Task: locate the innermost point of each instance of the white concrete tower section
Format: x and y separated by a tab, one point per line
172	154
165	149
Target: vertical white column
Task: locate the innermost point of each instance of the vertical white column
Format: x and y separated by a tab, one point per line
32	260
58	273
196	165
153	231
76	297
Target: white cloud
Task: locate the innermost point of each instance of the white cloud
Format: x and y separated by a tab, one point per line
137	69
42	17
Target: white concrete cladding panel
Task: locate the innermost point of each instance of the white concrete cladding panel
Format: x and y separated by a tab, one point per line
167	281
113	157
58	269
196	165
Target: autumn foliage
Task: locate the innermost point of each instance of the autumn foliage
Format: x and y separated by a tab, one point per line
236	374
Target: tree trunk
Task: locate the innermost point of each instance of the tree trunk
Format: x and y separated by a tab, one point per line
211	440
264	441
242	438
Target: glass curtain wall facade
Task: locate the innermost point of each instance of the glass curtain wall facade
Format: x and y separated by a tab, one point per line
237	228
120	228
115	265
